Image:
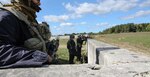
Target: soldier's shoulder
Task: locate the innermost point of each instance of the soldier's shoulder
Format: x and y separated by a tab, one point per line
5	13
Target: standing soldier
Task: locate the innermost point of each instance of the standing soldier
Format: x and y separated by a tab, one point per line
71	48
21	43
57	43
79	47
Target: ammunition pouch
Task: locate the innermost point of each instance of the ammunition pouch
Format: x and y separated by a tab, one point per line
33	43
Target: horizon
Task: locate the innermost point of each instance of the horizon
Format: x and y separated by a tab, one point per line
66	17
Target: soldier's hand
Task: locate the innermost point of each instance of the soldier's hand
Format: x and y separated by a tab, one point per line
49	59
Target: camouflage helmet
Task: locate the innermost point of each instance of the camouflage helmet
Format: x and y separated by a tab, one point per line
72	36
27	3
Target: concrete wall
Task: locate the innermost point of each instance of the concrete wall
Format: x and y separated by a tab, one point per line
62	37
117	62
106	54
94	49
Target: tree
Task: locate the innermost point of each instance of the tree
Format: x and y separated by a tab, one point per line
148	27
130	27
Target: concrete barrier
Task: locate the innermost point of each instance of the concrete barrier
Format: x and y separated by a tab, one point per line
117	62
95	48
106	54
62	37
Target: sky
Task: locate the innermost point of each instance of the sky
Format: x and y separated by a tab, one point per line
76	16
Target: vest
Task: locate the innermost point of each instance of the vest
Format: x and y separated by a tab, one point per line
38	41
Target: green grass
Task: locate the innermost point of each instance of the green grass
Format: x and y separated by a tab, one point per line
62	52
63	41
63	56
138	41
140	38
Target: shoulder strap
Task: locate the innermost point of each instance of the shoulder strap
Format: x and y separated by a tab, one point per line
23	17
18	14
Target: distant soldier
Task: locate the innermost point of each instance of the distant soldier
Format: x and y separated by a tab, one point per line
57	43
85	37
71	48
79	47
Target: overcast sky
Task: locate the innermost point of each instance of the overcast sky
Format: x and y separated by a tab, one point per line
75	16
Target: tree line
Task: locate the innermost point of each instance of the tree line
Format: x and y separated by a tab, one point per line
130	27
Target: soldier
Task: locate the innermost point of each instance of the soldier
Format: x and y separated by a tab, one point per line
21	42
79	47
71	48
57	42
55	45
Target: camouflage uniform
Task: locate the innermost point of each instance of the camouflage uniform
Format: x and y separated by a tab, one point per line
54	47
79	47
22	43
71	48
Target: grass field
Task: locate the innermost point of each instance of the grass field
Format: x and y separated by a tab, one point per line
63	52
138	42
